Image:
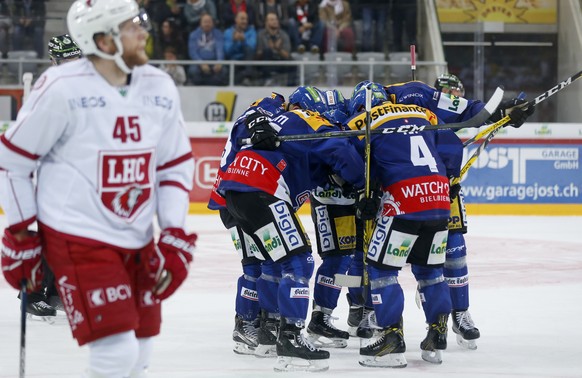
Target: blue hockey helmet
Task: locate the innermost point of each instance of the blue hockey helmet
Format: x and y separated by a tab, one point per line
335	100
272	105
359	86
308	98
335	116
358	101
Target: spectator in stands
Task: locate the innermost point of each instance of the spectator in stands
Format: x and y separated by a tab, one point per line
171	36
232	7
403	20
337	16
176	71
279	7
5	27
29	20
194	9
207	43
305	28
240	43
273	44
370	12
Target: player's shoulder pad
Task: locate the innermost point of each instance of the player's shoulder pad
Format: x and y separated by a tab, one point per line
313	119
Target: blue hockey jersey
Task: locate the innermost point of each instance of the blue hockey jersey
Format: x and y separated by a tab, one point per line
296	167
409	166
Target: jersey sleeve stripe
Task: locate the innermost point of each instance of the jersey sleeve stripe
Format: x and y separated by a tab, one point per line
175	162
16	149
175	184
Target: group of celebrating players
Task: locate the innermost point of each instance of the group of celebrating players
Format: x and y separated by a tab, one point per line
417	216
85	174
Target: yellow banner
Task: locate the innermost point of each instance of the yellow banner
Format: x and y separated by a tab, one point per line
507	11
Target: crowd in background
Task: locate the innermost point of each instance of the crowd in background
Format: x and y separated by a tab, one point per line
243	30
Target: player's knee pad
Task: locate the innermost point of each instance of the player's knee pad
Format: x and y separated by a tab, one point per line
433	290
456	272
456	260
268	286
144	358
387	295
299	266
294	287
247	299
113	356
325	291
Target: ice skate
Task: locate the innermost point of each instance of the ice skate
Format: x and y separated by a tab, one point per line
56	303
386	351
365	330
324	334
465	330
267	336
354	317
245	336
40	310
435	341
296	353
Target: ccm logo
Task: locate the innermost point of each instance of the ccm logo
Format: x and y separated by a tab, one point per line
206	171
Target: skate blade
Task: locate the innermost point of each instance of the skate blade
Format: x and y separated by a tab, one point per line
266	351
242	348
392	360
37	318
299	364
433	356
466	344
325	342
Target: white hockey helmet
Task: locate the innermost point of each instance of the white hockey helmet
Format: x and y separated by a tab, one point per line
89	17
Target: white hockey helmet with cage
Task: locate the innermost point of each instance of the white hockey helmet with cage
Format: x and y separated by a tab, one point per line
89	17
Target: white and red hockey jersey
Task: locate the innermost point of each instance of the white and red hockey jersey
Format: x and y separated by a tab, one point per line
107	163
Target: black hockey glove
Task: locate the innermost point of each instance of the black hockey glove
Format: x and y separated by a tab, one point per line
509	107
263	136
519	115
454	190
367	207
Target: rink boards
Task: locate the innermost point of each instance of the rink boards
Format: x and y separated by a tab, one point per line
533	170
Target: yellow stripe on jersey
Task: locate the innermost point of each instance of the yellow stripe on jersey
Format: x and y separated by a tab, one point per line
387	112
313	119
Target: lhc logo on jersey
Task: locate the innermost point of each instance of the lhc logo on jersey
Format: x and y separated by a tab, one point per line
126	181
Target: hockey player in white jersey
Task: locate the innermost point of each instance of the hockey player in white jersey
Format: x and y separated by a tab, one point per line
106	133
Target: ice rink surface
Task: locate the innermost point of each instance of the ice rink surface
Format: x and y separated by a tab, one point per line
526	298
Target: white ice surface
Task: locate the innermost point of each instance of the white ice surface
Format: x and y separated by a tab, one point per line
526	298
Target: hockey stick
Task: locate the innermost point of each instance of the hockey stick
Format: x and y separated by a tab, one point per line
494	129
368	151
476	121
23	301
413	61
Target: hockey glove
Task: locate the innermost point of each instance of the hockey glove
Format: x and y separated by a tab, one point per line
519	115
454	190
174	253
263	136
509	107
21	260
367	207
